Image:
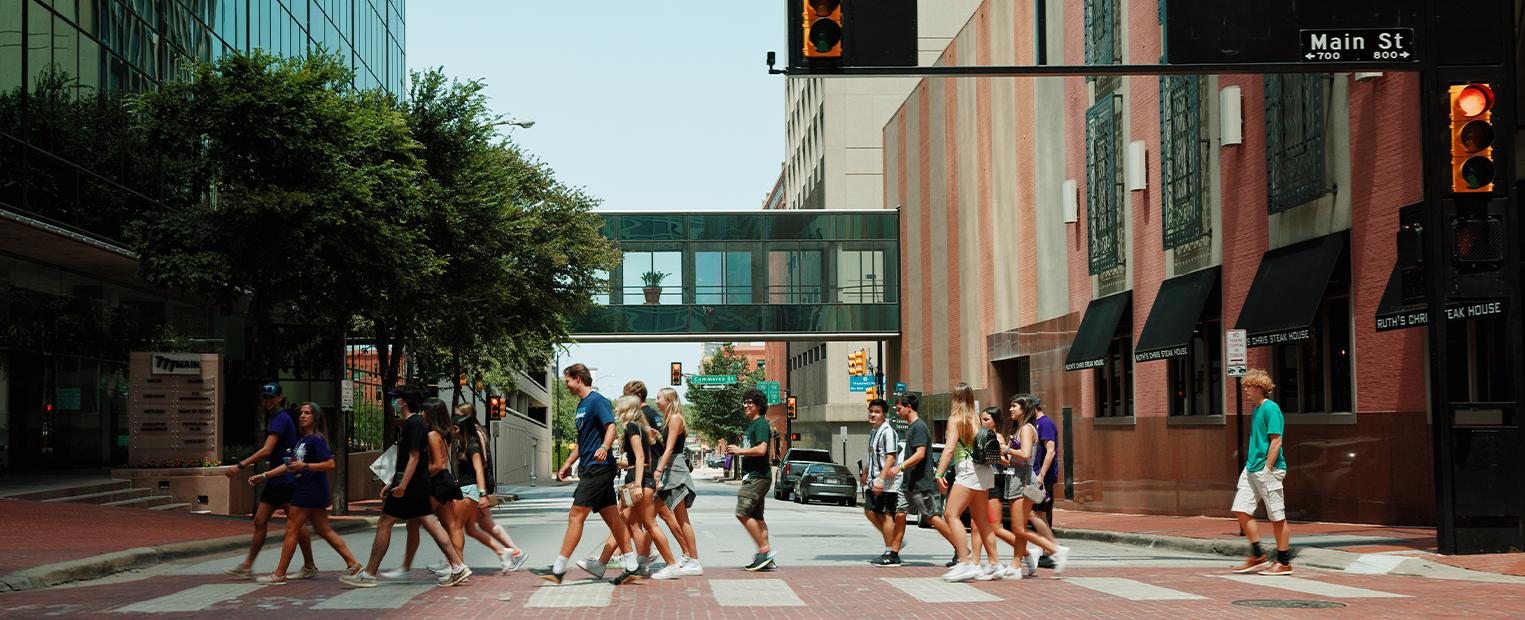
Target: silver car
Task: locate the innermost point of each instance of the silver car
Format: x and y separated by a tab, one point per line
826	482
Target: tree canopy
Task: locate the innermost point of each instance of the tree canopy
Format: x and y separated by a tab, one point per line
716	413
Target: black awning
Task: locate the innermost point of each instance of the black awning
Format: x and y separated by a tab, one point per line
1288	289
1097	328
1174	317
1392	313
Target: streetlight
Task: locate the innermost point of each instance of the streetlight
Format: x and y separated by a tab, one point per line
524	123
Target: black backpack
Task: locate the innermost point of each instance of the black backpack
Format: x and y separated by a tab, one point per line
987	447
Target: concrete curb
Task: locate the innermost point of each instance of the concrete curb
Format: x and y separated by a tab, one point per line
48	575
1315	557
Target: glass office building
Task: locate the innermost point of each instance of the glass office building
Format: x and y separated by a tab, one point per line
71	304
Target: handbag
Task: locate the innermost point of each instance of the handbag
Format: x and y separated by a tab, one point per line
385	466
1034	493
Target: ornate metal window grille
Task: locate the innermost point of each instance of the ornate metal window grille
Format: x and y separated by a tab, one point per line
1102	21
1103	185
1183	159
1294	140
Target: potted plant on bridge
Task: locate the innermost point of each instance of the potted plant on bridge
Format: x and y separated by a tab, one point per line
653	289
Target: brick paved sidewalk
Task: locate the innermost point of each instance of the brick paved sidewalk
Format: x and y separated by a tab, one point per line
1416	542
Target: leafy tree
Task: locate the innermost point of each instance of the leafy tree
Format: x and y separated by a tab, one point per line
717	413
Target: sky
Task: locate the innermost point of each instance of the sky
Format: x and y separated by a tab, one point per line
646	105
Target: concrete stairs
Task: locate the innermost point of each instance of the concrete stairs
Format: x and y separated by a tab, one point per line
105	493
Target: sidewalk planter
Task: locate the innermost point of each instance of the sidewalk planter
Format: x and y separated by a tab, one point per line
204	488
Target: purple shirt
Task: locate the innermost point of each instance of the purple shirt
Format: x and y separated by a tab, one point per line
1047	431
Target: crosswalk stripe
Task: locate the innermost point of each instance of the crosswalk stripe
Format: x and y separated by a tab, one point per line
754	593
385	596
1375	564
1316	588
192	599
939	591
1131	590
593	594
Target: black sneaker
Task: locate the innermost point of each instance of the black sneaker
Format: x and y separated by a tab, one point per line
1045	562
761	561
890	559
625	577
548	575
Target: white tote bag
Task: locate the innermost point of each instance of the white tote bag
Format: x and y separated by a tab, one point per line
385	466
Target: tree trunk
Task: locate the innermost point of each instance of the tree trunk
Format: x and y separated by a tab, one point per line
455	380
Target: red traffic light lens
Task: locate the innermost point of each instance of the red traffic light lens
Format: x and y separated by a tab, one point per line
823	7
1474	99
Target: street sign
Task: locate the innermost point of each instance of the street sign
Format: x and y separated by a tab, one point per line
1358	45
860	383
772	390
346	394
712	381
899	387
1237	358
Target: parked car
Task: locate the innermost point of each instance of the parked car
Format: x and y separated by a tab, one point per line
826	482
792	466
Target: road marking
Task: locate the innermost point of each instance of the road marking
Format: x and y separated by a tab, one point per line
386	596
1131	590
1316	588
754	593
1375	564
193	599
586	594
939	591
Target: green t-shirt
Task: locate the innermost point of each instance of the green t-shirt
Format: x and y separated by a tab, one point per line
1267	421
757	433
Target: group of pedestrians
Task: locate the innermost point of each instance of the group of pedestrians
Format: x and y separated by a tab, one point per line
991	461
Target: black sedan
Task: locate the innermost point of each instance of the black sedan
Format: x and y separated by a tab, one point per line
826	482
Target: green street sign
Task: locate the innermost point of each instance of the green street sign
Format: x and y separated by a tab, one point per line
772	390
715	380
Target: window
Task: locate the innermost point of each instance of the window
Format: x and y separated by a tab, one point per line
1114	379
860	276
795	277
1313	375
1183	160
666	269
1196	380
1102	23
723	277
1294	140
1104	189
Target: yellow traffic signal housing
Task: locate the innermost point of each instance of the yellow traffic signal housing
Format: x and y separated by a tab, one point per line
677	373
823	28
1472	135
793	408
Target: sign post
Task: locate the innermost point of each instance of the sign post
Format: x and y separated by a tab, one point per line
1236	362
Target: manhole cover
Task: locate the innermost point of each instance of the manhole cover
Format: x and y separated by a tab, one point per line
1288	604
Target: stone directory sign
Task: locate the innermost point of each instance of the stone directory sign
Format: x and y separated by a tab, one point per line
174	408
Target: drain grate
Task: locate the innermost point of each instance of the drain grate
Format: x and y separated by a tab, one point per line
1288	603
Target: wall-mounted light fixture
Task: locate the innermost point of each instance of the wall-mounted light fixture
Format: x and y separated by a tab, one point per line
1137	170
1071	199
1231	116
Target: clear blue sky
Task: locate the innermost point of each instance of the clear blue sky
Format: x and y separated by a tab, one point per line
647	105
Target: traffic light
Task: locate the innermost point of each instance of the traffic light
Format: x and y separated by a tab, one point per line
857	362
794	436
871	393
677	373
823	28
494	408
793	408
1472	135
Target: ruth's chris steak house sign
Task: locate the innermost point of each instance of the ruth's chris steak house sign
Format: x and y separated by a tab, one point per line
174	408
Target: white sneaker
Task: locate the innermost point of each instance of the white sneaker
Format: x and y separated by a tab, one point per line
1031	560
691	567
593	566
440	568
671	571
953	571
1011	572
989	572
396	573
1061	558
965	572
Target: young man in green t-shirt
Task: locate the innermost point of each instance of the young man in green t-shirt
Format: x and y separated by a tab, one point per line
756	476
1261	480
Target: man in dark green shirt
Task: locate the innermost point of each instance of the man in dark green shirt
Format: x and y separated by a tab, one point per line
756	476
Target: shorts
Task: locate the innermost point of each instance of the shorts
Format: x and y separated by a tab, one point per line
471	492
750	499
885	503
595	489
648	481
443	488
277	494
1262	486
1016	482
971	476
928	503
413	504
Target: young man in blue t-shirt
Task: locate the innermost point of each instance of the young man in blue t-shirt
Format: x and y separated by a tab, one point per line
1261	480
281	437
595	485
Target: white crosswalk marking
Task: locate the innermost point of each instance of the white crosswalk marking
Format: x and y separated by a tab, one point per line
385	596
1375	564
1131	590
754	593
594	594
1316	588
939	591
193	599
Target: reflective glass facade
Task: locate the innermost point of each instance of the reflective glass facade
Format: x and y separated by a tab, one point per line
779	274
65	64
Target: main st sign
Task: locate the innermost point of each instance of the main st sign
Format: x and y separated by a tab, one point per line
1359	45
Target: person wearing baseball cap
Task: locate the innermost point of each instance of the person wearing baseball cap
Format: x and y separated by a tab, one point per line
281	437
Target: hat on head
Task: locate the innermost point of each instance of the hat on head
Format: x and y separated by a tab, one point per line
270	390
409	393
